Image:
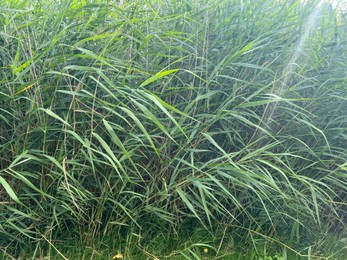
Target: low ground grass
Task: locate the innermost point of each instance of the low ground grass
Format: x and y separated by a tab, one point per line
172	129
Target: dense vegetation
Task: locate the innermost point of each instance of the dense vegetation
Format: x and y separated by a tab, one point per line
160	128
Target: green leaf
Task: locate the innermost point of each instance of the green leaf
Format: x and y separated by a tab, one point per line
9	190
158	76
54	115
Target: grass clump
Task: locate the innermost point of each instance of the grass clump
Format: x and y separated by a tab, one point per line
164	128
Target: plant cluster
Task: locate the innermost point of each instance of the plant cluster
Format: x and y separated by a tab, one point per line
159	120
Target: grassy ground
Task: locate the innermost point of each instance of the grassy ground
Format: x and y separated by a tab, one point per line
159	129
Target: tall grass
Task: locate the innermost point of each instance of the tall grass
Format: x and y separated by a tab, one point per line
156	119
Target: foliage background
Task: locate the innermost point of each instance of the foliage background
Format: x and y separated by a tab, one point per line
194	123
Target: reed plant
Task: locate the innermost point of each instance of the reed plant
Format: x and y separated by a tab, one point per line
139	124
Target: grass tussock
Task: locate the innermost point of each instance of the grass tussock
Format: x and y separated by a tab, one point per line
178	129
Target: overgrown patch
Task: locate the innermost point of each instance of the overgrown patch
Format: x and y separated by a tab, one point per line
215	125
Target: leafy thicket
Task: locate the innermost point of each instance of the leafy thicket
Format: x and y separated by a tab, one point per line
151	117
